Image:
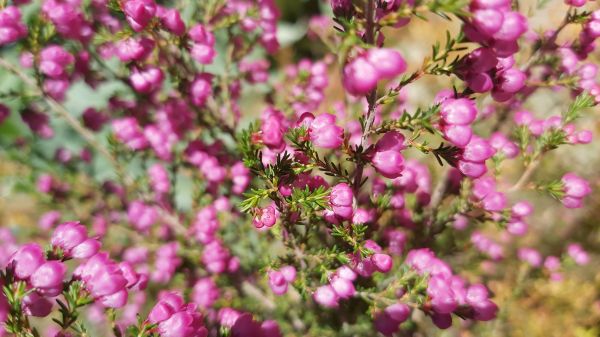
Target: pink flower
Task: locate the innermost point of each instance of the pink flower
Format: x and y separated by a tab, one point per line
205	293
159	179
341	199
139	13
27	260
265	217
326	296
175	318
575	189
129	131
201	89
459	111
277	282
48	278
104	279
360	77
146	80
324	133
171	20
11	27
203	48
388	159
54	60
36	305
388	63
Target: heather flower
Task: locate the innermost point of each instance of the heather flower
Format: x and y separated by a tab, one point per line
324	133
139	13
360	77
48	278
341	199
201	89
38	123
104	280
11	27
129	131
388	159
576	252
54	60
146	80
49	219
265	217
326	296
531	256
27	260
342	8
171	20
575	189
141	216
132	49
203	48
388	63
159	179
175	318
36	305
205	293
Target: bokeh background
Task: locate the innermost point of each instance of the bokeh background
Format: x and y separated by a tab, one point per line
531	306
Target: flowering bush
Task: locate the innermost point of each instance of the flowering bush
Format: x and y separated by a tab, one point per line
194	183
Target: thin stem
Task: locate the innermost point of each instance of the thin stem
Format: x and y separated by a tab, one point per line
62	112
371	97
525	176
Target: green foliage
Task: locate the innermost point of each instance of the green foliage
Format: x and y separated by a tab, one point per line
582	102
443	7
441	63
248	148
556	189
550	140
421	119
75	297
314	200
299	139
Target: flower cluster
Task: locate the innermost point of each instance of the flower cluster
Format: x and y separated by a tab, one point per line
236	180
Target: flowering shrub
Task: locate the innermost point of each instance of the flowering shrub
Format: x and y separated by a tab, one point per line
173	208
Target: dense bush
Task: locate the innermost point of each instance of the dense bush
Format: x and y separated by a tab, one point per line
239	168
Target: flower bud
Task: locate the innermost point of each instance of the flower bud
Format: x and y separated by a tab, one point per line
342	8
35	305
139	13
343	287
575	189
326	296
147	80
488	21
388	63
514	24
277	282
398	312
171	20
27	260
460	111
68	235
360	77
53	61
201	89
11	26
341	199
328	137
382	262
49	276
86	249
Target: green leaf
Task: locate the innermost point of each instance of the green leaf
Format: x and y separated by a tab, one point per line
583	101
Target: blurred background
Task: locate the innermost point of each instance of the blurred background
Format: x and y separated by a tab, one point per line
530	306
